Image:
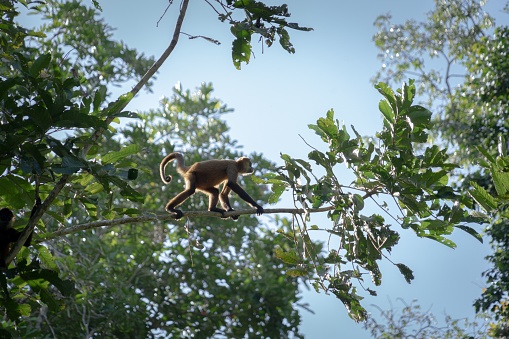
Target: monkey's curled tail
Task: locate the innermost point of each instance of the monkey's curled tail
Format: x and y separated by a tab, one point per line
162	166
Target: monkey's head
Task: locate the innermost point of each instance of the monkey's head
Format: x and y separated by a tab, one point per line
6	218
245	166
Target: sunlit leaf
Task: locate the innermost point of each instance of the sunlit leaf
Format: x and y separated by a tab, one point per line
482	197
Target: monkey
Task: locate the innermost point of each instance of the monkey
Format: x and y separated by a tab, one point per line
206	176
8	234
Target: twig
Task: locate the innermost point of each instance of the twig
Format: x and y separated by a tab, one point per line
164	13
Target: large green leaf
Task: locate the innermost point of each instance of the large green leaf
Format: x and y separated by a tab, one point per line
482	197
126	151
501	182
39	64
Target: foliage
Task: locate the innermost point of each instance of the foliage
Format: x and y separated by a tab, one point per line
57	143
182	279
447	33
388	171
82	42
473	108
413	322
436	53
269	22
494	205
484	95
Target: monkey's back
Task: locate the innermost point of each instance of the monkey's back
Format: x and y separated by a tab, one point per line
211	173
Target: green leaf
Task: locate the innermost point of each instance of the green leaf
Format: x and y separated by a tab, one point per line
297	272
49	299
284	40
441	239
328	126
125	190
388	94
407	272
408	94
74	118
287	257
8	84
501	182
99	97
486	154
24	310
39	64
482	197
125	114
277	190
114	157
420	116
241	46
387	111
47	258
70	165
470	231
358	202
116	107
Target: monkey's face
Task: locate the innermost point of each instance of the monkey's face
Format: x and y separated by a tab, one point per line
6	218
246	167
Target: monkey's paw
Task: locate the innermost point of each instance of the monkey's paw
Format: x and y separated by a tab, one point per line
233	217
177	214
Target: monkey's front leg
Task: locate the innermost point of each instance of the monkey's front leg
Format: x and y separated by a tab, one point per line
213	200
243	194
225	201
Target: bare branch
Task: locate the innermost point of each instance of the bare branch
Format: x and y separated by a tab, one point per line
166	216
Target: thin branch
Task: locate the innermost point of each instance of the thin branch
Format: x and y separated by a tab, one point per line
215	10
164	13
214	41
40	211
169	217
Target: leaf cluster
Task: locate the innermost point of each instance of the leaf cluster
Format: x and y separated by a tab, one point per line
202	276
57	143
493	206
48	148
471	96
269	22
391	173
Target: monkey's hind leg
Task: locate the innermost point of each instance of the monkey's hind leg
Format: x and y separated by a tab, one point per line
179	199
213	194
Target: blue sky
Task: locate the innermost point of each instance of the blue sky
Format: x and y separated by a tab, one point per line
278	94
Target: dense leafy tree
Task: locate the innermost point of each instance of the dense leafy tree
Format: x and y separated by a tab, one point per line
412	322
396	171
436	52
471	93
56	143
202	277
149	280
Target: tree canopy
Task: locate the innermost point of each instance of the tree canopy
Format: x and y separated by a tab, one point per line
108	254
459	56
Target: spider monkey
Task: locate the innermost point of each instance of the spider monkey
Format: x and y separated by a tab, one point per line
206	176
8	234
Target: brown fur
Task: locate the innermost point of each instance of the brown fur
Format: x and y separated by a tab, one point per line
206	176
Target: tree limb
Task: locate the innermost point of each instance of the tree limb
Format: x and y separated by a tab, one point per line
167	216
65	178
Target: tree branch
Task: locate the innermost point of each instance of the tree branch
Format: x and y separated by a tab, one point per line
166	216
65	178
